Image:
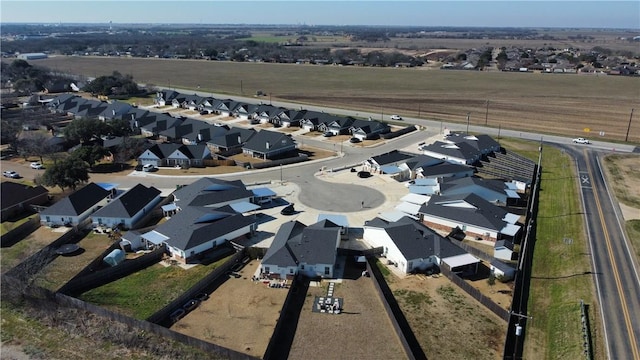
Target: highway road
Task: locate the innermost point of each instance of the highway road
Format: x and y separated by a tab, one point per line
615	271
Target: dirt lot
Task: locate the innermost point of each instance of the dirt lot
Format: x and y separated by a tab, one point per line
362	331
447	322
240	314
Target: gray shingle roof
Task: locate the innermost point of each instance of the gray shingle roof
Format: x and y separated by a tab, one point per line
296	243
78	202
193	225
13	193
210	192
266	141
129	203
483	213
414	240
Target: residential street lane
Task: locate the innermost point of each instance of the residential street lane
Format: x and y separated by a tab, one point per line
615	273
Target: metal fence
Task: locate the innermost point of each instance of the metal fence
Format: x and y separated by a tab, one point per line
475	293
214	279
20	232
93	279
284	332
408	340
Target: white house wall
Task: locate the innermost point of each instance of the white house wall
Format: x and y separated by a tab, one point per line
445	157
210	244
450	224
281	271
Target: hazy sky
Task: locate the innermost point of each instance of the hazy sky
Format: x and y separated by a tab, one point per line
513	13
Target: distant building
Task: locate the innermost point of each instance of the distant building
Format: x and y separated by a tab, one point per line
33	56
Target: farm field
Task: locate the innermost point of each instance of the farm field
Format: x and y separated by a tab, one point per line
566	104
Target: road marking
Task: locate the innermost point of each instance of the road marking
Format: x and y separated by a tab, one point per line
623	301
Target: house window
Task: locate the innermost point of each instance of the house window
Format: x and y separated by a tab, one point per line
266	269
410	265
302	267
290	271
326	270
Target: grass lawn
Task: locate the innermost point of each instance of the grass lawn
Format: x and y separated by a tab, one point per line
141	294
9	225
560	270
64	268
633	232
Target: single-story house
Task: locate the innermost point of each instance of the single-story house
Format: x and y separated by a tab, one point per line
128	209
17	198
175	154
194	230
268	144
77	207
413	247
300	249
471	213
494	191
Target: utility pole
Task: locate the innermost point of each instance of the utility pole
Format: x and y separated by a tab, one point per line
486	114
468	122
629	127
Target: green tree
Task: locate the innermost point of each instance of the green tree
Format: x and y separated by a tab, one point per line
68	173
119	127
85	129
90	154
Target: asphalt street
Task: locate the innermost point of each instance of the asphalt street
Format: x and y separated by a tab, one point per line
614	269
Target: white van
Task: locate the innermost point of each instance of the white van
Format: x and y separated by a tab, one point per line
148	167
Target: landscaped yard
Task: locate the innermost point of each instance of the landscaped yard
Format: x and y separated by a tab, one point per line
141	294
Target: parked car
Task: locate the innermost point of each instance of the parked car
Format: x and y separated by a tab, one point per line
204	112
396	117
191	304
11	174
581	141
288	210
148	167
354	140
36	165
328	134
364	174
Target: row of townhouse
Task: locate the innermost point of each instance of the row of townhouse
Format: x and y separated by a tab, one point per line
265	113
218	139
